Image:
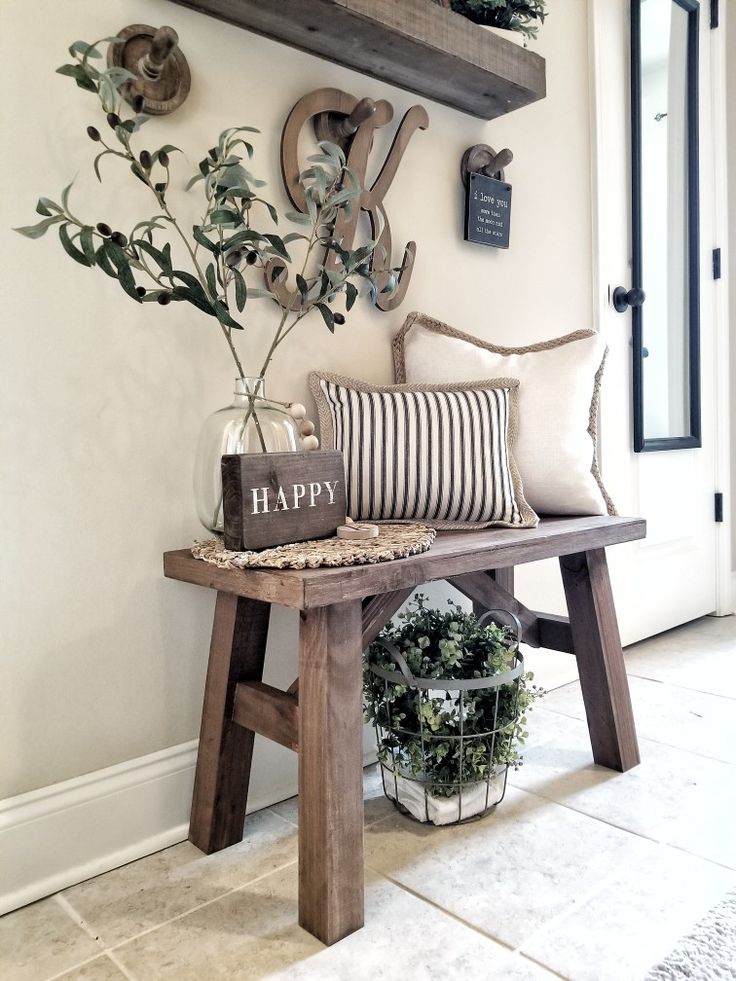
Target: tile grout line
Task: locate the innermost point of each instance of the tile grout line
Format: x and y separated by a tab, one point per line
543	966
703	858
619	827
64	903
79	920
391	813
642	739
74	967
659	742
567	913
594	817
672	684
366	824
120	966
435	905
458	919
279	816
121	943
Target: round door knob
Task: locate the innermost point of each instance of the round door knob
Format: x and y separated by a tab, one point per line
623	298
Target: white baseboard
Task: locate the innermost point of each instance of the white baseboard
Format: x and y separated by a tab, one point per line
57	836
60	835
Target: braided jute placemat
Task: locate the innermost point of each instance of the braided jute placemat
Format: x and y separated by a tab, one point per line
395	541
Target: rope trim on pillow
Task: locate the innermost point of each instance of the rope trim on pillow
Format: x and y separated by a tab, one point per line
423	320
593	430
527	517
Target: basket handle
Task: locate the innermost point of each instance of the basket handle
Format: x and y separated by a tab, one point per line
508	613
398	658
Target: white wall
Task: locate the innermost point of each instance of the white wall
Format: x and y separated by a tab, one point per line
101	400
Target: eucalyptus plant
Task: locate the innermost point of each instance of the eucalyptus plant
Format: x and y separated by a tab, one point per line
447	645
232	244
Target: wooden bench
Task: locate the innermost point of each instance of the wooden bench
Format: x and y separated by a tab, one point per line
320	716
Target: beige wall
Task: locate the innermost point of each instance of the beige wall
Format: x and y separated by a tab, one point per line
101	400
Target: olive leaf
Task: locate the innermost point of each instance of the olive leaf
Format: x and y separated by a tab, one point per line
241	290
327	316
87	242
80	75
351	295
201	239
160	256
70	248
211	280
46	206
36	231
224	317
96	162
302	286
298	218
124	273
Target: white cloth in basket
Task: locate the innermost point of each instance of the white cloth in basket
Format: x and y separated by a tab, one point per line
475	798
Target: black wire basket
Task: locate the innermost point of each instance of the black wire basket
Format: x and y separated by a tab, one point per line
479	719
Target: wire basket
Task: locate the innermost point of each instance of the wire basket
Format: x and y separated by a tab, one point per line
479	718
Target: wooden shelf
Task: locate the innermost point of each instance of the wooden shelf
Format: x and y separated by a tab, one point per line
414	44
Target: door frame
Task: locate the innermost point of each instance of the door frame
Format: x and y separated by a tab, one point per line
643	443
713	168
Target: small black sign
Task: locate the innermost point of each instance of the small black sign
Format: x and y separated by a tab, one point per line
487	211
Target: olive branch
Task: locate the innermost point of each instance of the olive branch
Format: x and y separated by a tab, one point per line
228	248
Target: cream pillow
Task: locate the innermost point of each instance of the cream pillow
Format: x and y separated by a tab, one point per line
560	380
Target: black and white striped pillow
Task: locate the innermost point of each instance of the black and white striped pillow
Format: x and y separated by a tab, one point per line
439	454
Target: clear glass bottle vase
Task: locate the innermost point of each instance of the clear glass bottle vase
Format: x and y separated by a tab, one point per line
250	424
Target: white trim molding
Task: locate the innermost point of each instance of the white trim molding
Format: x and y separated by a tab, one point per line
60	835
722	379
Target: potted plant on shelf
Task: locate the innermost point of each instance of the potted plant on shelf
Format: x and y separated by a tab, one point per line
213	266
448	696
520	16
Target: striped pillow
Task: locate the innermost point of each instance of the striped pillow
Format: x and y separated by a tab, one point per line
436	453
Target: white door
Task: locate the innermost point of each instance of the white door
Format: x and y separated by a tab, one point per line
681	571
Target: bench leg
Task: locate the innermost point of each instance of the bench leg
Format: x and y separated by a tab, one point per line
330	771
505	579
237	652
600	659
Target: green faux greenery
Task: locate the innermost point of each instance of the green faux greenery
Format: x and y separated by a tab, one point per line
222	255
448	646
523	16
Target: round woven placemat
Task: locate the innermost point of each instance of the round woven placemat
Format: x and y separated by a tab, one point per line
395	541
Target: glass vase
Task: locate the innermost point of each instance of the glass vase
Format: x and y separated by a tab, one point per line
250	424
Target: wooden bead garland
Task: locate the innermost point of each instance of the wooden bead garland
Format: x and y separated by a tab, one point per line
306	427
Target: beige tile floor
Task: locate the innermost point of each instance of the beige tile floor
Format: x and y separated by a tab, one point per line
580	873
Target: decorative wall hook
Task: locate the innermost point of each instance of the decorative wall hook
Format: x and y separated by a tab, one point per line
487	195
351	123
340	128
483	159
163	78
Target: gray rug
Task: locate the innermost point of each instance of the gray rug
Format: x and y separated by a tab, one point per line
708	953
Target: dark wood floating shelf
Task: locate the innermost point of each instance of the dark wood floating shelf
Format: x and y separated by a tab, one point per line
415	44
